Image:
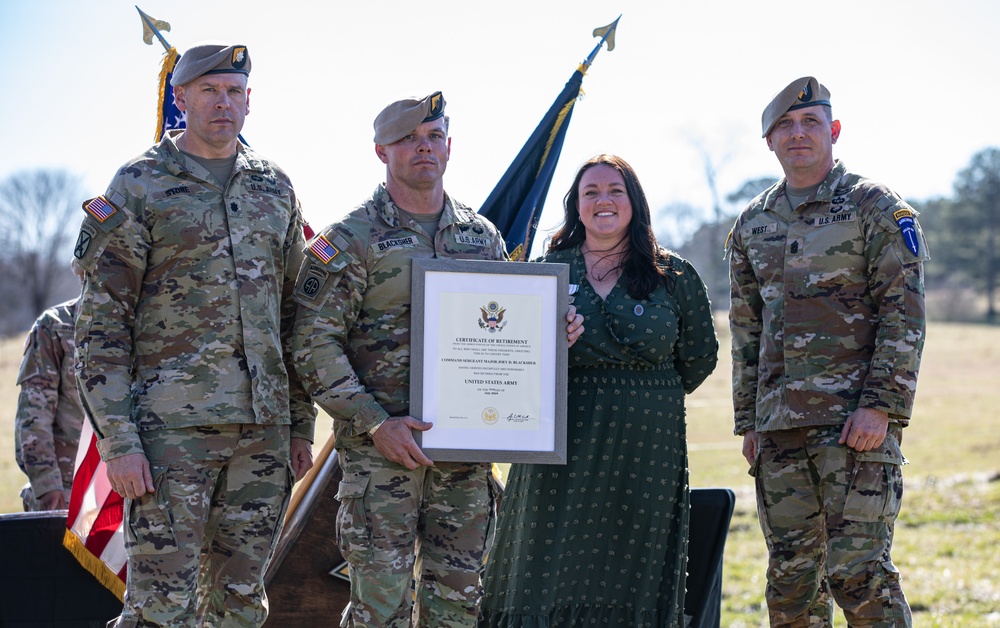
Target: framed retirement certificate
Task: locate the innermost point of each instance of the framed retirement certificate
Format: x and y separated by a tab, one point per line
489	360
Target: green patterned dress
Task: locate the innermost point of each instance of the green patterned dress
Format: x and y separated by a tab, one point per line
602	540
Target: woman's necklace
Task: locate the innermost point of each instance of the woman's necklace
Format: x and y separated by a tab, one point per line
603	265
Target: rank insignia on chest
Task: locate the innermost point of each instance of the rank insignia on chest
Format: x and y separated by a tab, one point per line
322	249
99	208
908	227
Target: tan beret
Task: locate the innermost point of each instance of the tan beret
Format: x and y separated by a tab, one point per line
211	58
403	116
803	92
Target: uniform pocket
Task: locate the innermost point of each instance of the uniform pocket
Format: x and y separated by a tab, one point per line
762	518
353	526
876	488
150	528
279	521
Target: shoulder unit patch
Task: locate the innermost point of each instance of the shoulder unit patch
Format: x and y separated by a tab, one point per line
908	227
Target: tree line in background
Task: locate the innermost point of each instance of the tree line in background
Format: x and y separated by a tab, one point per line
962	233
40	217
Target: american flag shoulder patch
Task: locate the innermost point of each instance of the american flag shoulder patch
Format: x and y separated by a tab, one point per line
100	209
322	249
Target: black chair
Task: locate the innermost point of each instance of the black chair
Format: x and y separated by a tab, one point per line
41	584
711	512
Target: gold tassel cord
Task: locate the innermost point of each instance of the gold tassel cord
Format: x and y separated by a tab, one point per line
94	565
169	61
555	130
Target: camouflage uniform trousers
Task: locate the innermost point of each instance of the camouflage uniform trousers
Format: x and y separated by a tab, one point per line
827	513
198	547
432	525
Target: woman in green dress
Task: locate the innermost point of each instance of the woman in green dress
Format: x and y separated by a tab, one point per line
602	540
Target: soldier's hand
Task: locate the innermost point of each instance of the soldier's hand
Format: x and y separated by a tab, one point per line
751	440
53	500
575	327
130	475
865	429
301	457
394	440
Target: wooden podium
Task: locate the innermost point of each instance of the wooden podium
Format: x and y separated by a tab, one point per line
306	580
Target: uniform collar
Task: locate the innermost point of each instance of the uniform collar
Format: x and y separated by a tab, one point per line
177	163
395	217
824	193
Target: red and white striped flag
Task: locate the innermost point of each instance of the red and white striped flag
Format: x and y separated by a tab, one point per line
94	525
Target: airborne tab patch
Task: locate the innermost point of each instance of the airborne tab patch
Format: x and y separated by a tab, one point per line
908	226
100	209
322	249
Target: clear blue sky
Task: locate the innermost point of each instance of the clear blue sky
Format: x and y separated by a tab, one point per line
913	82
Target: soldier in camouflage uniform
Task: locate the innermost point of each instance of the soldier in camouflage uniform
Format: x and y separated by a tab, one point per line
49	414
402	517
827	320
183	350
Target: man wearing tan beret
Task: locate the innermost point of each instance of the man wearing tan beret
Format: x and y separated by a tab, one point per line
827	320
183	361
404	520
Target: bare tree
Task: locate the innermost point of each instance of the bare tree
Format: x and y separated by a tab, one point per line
750	189
39	217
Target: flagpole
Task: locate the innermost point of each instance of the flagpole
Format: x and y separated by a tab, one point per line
517	199
148	24
607	34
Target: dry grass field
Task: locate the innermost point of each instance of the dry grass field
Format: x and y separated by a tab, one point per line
947	539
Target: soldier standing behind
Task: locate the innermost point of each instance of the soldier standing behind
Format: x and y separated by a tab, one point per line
827	319
49	414
185	321
402	517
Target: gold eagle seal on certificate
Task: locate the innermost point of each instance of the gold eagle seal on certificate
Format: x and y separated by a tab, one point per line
490	416
492	317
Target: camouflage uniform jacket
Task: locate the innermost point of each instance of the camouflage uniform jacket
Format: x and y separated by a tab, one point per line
49	414
187	308
352	331
827	305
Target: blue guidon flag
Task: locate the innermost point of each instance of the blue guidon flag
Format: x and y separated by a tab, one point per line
908	226
515	204
322	249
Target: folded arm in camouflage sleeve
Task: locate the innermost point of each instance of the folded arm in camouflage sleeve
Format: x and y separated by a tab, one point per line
745	326
303	412
38	426
896	285
331	294
112	254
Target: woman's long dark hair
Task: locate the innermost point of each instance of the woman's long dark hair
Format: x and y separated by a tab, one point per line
641	261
